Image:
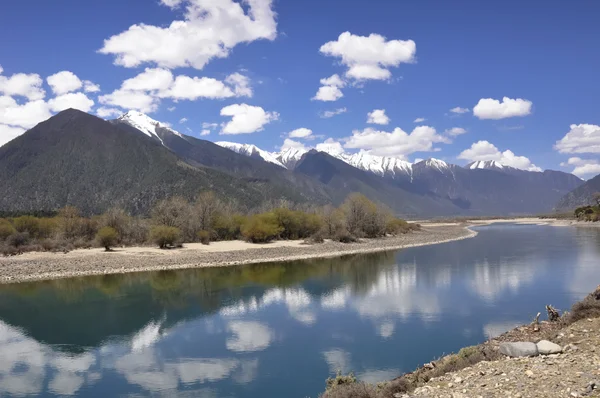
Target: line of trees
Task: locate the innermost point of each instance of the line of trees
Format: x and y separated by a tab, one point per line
208	218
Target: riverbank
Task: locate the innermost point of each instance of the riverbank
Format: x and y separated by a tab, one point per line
44	266
483	371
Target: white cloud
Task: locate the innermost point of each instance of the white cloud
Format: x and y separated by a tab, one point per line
188	88
369	57
210	29
108	112
137	100
489	108
581	138
211	126
9	133
23	85
90	87
240	84
396	143
288	143
302	132
26	115
205	132
71	100
333	80
183	120
64	82
419	120
330	146
328	93
149	80
246	119
458	110
378	116
454	131
583	167
338	111
483	150
171	108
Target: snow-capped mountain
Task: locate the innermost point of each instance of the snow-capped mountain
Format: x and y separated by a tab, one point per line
289	157
485	164
252	151
145	124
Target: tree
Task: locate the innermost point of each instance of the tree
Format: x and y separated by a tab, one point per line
206	207
177	213
165	236
596	197
333	220
107	237
117	219
363	217
6	229
69	221
261	228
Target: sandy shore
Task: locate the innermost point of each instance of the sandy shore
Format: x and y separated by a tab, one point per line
43	266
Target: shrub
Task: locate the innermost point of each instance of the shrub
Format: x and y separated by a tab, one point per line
344	236
315	238
204	237
339	380
6	229
28	224
117	219
165	236
47	227
107	237
18	239
261	228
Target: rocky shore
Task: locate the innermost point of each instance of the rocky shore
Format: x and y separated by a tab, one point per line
43	266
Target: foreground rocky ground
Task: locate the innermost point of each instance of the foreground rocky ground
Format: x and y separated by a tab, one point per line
41	266
573	373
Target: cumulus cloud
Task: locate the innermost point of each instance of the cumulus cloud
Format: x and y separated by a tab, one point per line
454	131
9	133
583	167
205	132
581	138
108	112
90	87
26	115
302	132
458	110
330	146
489	108
397	143
248	336
246	119
23	85
71	100
210	29
64	82
369	57
183	120
378	116
328	93
144	91
289	143
419	120
332	113
484	150
333	80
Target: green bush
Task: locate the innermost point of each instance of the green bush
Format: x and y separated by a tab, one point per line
47	227
6	229
204	237
261	228
28	224
165	236
107	237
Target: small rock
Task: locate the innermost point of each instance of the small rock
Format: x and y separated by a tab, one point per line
458	380
529	373
546	347
519	349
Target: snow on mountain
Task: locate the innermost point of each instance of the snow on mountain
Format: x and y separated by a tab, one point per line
145	124
289	157
251	151
436	164
485	164
380	165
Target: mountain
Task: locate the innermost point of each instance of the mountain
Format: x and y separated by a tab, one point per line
480	188
344	179
251	151
78	159
581	196
272	179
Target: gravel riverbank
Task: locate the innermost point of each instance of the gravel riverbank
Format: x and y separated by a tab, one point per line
43	266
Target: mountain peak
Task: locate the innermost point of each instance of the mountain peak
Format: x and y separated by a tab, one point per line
485	164
435	163
145	124
251	150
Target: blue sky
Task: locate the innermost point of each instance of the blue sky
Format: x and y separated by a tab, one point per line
543	58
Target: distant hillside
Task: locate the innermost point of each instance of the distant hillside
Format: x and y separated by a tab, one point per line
581	196
77	159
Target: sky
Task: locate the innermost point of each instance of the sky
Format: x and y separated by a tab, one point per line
460	81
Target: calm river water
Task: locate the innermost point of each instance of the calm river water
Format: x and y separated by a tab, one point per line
278	330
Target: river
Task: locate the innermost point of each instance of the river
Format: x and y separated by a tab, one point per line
278	330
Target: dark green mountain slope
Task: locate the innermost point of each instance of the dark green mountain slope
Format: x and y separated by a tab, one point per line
581	196
77	159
